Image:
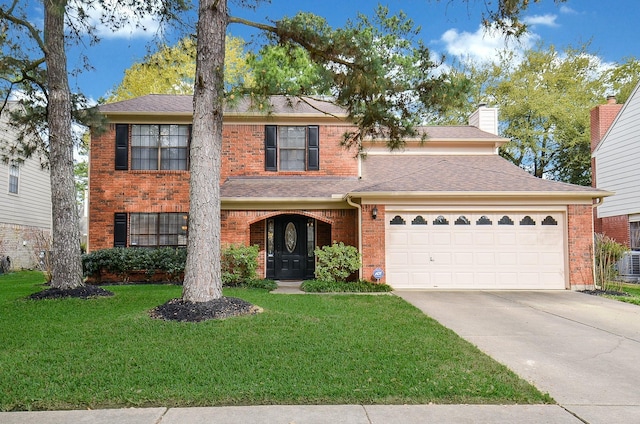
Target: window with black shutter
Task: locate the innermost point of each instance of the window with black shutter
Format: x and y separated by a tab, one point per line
292	148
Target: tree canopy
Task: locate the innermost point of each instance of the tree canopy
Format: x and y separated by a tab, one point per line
171	70
544	98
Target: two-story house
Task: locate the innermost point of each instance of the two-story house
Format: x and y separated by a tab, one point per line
25	202
447	213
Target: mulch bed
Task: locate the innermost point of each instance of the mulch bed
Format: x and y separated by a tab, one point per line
224	307
82	292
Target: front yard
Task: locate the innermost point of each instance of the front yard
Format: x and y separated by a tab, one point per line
303	349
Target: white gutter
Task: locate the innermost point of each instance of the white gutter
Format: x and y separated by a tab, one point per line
359	208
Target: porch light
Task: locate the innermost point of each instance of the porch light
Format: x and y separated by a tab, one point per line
374	212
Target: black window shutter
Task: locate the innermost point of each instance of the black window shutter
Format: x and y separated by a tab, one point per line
120	230
271	148
122	146
313	149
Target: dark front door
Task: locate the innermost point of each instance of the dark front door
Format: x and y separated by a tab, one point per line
293	235
290	246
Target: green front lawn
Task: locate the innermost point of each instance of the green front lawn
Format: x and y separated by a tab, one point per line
303	349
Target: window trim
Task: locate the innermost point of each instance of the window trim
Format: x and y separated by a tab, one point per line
123	230
14	178
124	147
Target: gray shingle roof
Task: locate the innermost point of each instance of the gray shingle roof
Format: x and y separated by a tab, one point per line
451	173
287	187
424	174
183	104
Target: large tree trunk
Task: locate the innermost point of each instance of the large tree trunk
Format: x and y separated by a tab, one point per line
202	280
67	263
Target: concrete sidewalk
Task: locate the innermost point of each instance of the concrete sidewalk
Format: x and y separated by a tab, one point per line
311	414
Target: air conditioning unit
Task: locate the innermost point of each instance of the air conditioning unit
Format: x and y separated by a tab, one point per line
629	266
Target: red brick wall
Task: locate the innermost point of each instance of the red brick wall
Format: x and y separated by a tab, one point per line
373	241
112	191
243	152
616	227
580	238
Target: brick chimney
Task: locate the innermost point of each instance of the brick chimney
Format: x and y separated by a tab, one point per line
602	116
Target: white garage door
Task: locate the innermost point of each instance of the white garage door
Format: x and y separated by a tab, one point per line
497	250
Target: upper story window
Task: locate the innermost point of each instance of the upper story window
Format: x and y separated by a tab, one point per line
292	148
153	147
14	178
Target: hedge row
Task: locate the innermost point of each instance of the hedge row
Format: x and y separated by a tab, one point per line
239	263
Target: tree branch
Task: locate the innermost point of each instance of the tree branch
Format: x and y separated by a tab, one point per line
286	35
21	22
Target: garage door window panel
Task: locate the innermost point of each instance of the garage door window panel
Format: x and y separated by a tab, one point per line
505	220
484	220
462	220
397	220
419	220
440	220
527	220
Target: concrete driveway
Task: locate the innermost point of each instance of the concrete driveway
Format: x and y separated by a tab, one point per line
582	350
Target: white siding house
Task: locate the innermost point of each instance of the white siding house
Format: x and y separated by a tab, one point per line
618	161
25	204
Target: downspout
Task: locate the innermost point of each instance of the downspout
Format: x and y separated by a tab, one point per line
359	208
598	202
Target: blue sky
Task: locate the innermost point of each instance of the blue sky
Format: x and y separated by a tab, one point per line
449	27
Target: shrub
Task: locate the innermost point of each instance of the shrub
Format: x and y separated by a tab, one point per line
336	262
607	253
239	264
119	260
361	286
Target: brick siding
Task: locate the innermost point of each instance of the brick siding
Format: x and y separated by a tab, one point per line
580	239
373	241
244	153
616	227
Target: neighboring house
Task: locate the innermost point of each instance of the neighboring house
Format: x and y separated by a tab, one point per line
447	213
25	203
615	143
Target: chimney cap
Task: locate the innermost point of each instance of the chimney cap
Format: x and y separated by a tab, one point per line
611	99
482	104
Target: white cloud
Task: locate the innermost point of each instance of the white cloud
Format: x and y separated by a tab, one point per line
544	20
484	45
129	25
567	10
